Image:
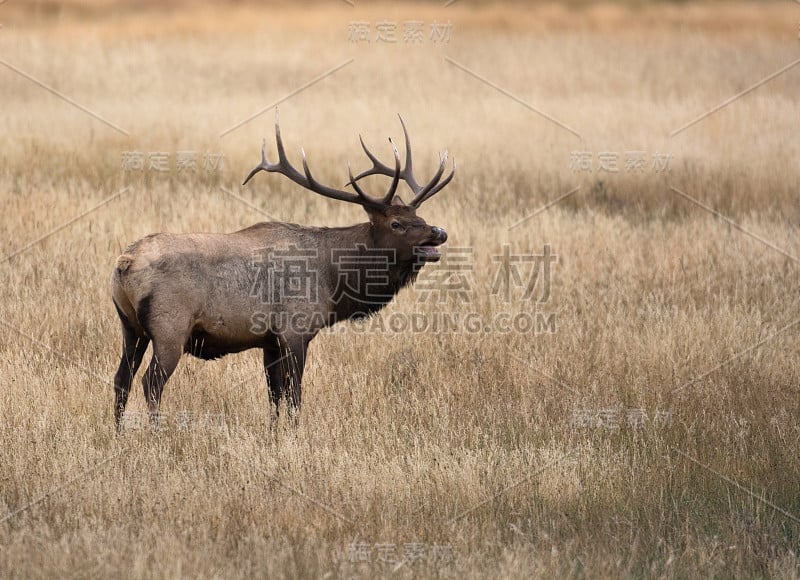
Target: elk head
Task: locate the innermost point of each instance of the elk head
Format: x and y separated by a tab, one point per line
394	224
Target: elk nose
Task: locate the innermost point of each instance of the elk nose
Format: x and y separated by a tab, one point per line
439	233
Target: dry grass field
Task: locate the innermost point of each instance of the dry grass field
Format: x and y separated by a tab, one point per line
650	427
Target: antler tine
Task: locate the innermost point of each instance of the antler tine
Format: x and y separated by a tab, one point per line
361	193
311	181
387	199
282	159
263	166
312	184
438	188
378	167
408	171
422	194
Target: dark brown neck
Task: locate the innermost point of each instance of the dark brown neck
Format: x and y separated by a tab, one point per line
364	277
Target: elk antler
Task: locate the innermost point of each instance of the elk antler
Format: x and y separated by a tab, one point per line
421	192
307	181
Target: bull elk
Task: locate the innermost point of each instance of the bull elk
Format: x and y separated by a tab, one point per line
210	294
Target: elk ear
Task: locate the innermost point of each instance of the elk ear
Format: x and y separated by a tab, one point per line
397	200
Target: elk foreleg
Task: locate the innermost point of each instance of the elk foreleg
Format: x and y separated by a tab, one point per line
284	363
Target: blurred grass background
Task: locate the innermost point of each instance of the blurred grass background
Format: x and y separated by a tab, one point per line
460	440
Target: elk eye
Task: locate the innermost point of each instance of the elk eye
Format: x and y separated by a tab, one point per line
396	225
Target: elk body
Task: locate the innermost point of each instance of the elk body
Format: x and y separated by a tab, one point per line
214	294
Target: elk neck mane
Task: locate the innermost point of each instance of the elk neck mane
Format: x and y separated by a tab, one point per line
386	278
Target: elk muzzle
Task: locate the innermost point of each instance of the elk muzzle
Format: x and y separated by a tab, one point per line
429	251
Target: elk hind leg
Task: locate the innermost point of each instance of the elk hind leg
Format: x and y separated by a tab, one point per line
166	354
274	373
134	345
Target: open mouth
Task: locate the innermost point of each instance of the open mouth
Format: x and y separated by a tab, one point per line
429	253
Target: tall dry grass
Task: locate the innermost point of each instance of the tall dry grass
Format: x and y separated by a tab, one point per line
468	450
